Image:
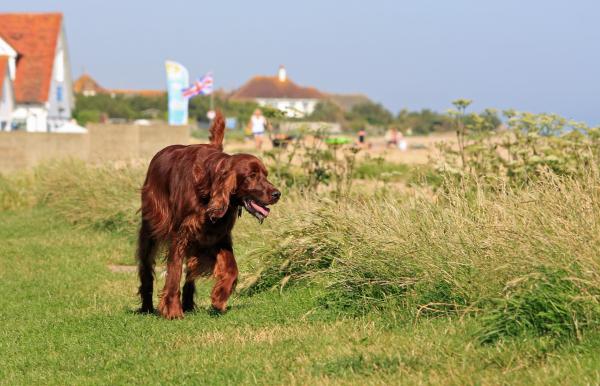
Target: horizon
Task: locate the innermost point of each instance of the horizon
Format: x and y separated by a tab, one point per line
532	57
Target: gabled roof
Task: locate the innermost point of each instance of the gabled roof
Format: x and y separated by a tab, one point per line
3	71
87	83
34	36
146	93
272	87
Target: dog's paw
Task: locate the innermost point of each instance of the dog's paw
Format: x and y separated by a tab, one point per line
145	310
170	307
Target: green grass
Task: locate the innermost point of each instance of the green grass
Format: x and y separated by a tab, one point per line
467	286
66	318
231	135
380	169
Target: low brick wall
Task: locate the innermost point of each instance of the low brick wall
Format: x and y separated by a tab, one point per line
21	150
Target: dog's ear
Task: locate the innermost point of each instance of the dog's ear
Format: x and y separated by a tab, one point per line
223	187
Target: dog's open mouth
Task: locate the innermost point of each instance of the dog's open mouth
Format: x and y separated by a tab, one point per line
257	209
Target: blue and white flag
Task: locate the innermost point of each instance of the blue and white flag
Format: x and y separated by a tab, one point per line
177	79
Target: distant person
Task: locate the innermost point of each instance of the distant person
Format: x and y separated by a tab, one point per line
402	145
258	124
391	137
362	134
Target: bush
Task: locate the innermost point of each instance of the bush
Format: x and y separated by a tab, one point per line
83	117
532	145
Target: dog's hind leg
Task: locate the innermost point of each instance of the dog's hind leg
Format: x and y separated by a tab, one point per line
146	252
169	305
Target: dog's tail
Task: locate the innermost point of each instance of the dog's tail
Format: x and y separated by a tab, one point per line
217	130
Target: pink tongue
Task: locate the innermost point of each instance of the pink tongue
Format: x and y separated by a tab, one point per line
260	209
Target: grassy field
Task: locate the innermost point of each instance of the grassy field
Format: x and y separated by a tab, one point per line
482	288
67	318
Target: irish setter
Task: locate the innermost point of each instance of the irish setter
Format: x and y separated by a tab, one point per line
191	199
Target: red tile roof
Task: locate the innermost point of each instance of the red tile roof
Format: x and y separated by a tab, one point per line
87	83
272	87
3	70
146	93
34	36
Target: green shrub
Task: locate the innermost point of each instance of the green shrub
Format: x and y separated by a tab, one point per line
83	117
532	145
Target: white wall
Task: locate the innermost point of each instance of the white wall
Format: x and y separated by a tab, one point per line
60	97
33	116
293	107
7	102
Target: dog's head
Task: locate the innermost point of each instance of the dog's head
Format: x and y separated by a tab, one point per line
241	180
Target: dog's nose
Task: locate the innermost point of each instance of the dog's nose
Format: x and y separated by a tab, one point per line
275	195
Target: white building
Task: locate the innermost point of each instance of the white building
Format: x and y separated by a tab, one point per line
281	93
7	96
35	48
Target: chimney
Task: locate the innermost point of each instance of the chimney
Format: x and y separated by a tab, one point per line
282	74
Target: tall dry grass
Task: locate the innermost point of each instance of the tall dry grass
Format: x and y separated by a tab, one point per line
527	258
101	197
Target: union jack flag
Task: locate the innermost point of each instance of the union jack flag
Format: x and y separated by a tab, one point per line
202	86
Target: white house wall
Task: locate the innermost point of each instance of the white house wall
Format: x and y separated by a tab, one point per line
33	117
7	50
293	107
60	98
7	103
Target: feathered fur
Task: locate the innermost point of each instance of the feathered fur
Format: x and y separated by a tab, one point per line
217	130
190	201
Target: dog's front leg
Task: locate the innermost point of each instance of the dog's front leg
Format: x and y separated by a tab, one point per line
225	274
170	302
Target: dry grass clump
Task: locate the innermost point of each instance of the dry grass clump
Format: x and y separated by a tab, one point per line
103	197
461	252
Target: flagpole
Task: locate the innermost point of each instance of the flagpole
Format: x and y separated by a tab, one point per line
212	98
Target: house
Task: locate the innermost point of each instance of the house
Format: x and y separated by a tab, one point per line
87	86
281	93
7	97
35	48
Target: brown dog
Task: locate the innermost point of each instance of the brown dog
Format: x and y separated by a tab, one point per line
191	199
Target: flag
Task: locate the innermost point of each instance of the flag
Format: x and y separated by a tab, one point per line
177	78
202	86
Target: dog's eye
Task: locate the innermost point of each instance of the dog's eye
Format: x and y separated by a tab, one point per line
252	175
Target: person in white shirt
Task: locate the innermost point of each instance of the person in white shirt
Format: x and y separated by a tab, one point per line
258	124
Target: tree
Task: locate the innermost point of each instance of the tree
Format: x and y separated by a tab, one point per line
422	122
372	113
327	111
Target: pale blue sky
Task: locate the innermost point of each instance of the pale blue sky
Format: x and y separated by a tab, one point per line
534	55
